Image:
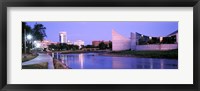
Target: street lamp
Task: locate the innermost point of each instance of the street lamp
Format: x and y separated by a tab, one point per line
29	37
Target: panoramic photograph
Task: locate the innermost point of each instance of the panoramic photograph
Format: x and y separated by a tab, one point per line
99	45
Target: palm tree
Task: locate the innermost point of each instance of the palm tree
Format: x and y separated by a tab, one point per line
39	32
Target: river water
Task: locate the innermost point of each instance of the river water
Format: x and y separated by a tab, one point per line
96	61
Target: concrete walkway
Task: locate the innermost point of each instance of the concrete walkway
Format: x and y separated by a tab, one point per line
39	59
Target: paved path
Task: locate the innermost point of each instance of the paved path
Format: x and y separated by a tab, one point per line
39	59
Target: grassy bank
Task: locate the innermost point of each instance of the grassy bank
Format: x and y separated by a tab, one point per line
29	57
43	65
171	54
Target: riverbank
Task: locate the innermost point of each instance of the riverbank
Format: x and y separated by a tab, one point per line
27	57
171	54
80	51
59	65
43	65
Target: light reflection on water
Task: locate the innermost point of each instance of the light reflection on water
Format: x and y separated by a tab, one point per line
95	61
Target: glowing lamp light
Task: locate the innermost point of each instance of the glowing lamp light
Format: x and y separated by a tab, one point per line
150	38
161	38
37	45
34	41
29	37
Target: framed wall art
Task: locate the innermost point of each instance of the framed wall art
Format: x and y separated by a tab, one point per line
90	45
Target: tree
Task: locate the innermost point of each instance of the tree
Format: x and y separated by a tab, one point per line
52	46
110	45
75	47
26	29
89	46
63	46
39	32
102	46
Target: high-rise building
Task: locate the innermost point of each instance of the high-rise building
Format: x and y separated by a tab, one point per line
62	37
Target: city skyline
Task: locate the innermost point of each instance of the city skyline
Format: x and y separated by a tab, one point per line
90	31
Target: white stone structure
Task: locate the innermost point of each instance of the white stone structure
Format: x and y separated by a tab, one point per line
119	42
79	43
157	47
69	42
42	44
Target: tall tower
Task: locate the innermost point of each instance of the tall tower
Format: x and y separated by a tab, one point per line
62	37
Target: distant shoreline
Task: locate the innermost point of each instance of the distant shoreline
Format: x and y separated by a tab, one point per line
80	51
170	54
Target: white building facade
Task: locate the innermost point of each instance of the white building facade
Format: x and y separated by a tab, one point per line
120	43
79	43
62	37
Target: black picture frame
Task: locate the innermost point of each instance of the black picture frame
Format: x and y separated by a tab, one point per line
99	3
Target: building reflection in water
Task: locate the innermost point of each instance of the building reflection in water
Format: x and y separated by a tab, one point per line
81	60
151	63
116	64
92	61
62	58
162	64
57	55
66	59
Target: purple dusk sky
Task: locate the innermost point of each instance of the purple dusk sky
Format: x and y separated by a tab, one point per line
89	31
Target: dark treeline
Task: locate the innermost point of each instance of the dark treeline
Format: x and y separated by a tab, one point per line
65	46
62	46
101	46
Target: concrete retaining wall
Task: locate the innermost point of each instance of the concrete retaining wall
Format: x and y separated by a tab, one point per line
157	47
59	65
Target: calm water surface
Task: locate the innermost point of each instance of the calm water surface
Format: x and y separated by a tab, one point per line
96	61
